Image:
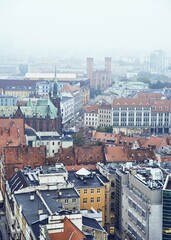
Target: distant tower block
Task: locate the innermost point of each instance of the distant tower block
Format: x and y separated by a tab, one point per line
90	70
108	64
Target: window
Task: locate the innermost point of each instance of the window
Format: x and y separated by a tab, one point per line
84	200
53	143
98	190
92	190
73	200
85	191
92	200
98	199
66	201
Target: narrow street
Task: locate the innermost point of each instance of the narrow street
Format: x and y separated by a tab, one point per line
3	232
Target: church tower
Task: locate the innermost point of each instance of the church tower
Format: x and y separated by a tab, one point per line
55	98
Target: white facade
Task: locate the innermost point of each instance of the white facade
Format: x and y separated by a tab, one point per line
142	207
138	118
51	140
67	109
78	99
91	119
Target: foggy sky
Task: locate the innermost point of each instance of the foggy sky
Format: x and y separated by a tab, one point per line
85	25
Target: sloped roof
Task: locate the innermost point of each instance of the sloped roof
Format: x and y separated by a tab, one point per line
40	109
151	95
18	181
92	223
115	154
11	132
155	141
126	154
70	232
92	109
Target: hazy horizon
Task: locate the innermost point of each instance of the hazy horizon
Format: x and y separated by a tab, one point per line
84	27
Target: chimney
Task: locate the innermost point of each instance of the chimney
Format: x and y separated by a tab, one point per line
31	197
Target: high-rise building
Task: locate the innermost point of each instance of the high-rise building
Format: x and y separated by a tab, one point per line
157	61
167	209
138	202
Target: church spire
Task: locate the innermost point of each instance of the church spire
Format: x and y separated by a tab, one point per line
55	86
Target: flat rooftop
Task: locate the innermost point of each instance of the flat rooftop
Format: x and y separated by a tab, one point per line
92	181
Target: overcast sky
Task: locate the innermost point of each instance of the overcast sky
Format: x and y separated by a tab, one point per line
85	25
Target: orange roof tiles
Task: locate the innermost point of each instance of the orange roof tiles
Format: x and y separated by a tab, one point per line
20	156
92	109
158	142
105	106
11	133
70	88
158	105
115	154
78	167
126	102
70	232
104	137
125	154
79	155
161	105
149	95
89	154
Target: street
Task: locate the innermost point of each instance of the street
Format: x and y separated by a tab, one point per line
3	232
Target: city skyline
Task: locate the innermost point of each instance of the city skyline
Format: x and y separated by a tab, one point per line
84	27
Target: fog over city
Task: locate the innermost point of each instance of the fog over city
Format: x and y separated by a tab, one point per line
85	27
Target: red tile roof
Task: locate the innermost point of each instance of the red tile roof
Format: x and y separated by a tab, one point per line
105	106
78	167
158	105
158	142
161	105
125	154
70	88
92	109
89	154
133	102
20	156
116	154
79	155
149	95
70	232
11	133
104	137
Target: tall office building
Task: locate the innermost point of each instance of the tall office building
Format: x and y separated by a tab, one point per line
157	61
167	209
138	203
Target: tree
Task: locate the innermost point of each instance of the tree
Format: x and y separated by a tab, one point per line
78	139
